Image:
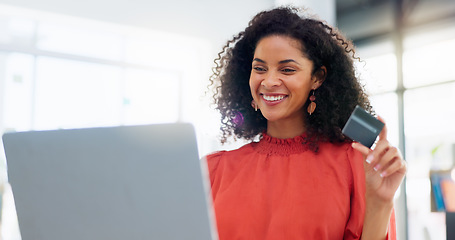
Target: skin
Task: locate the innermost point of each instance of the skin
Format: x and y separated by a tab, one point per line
280	82
280	70
384	172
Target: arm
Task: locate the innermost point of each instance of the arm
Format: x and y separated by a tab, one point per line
384	172
377	218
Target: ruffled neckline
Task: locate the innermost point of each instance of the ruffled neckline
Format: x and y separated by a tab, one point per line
272	145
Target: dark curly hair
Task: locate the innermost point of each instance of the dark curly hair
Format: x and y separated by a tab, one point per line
322	44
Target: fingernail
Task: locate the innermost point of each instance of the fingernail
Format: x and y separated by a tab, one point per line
369	158
376	167
383	174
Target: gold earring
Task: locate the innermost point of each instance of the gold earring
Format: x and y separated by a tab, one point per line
254	105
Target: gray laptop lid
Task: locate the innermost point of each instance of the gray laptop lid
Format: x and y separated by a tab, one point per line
116	183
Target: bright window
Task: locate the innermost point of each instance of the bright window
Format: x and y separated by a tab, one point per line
378	71
151	97
18	81
429	79
429	64
428	94
79	40
64	72
73	94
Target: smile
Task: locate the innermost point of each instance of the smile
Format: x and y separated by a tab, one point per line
273	98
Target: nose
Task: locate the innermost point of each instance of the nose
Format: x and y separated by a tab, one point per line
271	80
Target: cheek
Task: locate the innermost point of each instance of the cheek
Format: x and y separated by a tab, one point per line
254	84
303	91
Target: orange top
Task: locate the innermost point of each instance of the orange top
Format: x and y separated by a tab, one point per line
279	189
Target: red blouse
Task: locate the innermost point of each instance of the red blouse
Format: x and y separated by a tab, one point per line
279	189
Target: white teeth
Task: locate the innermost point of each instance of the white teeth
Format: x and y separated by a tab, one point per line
273	98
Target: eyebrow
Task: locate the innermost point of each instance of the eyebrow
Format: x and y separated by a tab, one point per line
258	60
280	62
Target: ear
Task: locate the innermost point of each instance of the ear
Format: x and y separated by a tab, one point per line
319	77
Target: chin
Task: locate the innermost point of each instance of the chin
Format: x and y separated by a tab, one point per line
271	117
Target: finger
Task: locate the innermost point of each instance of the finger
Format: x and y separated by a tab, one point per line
380	149
384	161
383	133
362	149
393	167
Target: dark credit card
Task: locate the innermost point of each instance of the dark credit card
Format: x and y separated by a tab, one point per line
362	127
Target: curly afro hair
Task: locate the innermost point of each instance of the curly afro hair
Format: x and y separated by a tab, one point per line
322	44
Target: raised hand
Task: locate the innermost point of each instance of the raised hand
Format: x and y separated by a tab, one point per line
385	168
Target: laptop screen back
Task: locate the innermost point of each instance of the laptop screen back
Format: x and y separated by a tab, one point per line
117	183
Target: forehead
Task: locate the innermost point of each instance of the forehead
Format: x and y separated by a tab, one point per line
279	46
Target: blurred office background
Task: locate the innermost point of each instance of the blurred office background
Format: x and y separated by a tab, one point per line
71	64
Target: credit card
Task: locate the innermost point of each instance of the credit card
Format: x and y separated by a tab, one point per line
362	127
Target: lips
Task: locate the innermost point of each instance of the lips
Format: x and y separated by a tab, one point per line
272	99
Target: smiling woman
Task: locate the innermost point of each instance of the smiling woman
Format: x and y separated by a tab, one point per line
318	43
280	82
291	81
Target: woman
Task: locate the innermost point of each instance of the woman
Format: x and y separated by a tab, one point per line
289	81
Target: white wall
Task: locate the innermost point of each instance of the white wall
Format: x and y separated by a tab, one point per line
211	19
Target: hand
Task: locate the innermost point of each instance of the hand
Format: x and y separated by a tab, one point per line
384	168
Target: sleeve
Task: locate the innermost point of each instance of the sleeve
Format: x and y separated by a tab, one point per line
213	161
392	230
354	224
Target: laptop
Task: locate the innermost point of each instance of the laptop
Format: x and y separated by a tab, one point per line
450	225
116	183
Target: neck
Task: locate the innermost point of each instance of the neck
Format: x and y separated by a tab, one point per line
286	128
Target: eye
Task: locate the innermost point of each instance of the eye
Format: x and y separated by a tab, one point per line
259	69
288	70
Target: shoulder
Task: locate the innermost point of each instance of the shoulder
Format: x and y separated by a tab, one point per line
340	150
216	158
344	155
353	163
